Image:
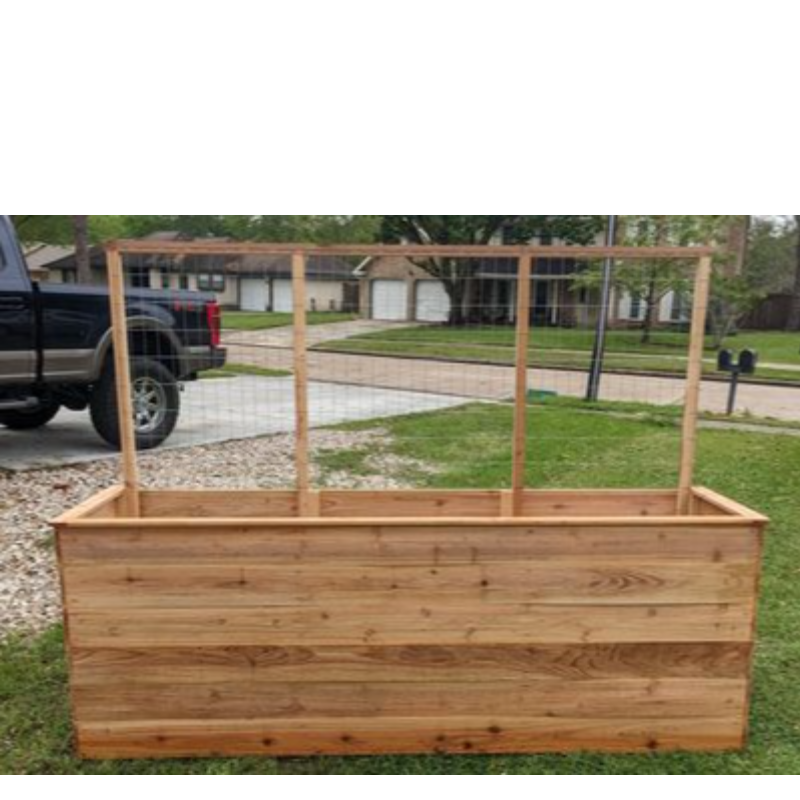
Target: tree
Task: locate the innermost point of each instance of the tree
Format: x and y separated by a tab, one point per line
772	254
653	281
794	314
454	273
67	229
83	261
42	229
199	226
264	227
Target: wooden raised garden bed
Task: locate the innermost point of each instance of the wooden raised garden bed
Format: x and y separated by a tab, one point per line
336	622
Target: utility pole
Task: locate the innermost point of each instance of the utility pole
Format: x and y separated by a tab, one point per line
598	355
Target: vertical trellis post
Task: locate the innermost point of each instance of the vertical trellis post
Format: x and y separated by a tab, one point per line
127	433
521	393
702	291
305	498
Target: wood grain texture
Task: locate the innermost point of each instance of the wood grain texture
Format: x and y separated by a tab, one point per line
122	372
144	247
456	734
522	344
342	504
326	637
405	545
409	664
556	699
694	380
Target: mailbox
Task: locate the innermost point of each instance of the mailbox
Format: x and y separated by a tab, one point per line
748	362
725	361
737	364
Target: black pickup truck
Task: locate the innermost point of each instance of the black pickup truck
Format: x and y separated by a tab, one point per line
56	350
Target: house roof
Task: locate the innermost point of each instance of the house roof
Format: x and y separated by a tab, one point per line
501	267
41	256
317	268
328	268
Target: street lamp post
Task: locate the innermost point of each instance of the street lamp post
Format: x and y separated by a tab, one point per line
598	355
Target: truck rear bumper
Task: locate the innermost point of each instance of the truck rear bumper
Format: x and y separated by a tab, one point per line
200	359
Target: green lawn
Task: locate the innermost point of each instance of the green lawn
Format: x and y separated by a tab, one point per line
235	370
470	447
562	348
255	321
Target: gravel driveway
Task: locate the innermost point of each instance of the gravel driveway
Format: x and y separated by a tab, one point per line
30	597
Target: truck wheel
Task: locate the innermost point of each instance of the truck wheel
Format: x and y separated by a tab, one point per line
156	404
29	420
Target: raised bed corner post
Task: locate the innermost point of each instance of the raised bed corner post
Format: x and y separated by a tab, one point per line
702	292
521	392
307	499
122	370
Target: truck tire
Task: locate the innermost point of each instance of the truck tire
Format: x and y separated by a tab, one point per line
156	404
29	420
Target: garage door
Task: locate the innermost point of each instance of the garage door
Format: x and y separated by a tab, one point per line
390	301
255	294
283	298
433	302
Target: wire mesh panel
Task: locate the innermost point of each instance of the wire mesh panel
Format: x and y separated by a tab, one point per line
328	368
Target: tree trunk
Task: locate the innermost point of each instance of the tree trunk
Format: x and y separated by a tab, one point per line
650	312
653	296
456	290
794	314
738	243
80	227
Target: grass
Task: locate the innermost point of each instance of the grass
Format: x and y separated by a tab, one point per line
261	321
571	349
470	447
235	370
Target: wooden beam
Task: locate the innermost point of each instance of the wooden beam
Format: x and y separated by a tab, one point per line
307	505
728	506
408	523
201	248
88	508
521	391
122	369
702	291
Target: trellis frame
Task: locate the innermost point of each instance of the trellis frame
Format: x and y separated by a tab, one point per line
526	257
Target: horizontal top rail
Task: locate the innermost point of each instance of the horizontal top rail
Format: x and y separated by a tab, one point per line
216	248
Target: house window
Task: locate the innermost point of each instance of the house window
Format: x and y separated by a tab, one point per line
184	282
140	278
211	283
680	307
637	307
165	284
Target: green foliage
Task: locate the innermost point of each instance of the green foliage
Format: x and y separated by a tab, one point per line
481	230
269	228
36	228
772	257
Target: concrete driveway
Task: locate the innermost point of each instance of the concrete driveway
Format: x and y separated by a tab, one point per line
489	382
273	349
219	411
316	334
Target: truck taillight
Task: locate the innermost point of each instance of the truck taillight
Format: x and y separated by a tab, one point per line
214	323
